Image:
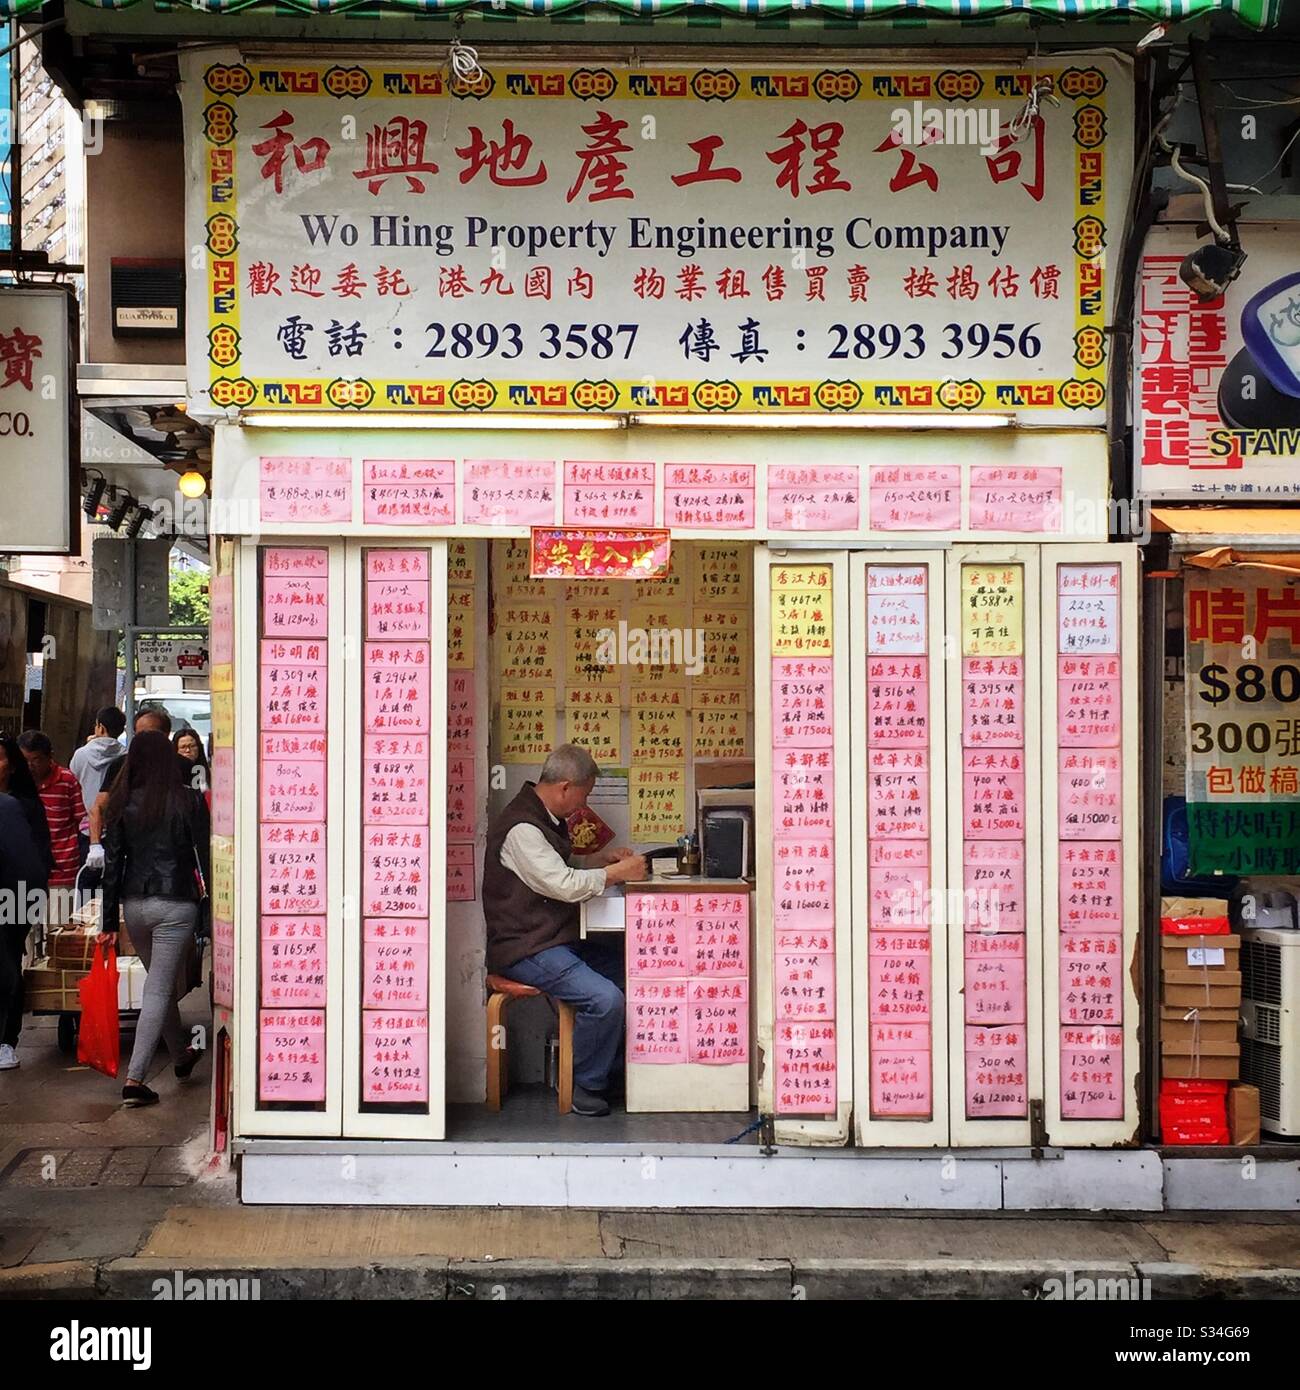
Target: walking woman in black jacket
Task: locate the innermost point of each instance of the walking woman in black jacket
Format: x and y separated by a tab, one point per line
156	845
25	865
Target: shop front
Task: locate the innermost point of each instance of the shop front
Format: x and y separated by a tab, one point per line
791	508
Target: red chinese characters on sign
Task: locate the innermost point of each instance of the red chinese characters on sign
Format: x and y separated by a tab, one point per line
396	148
18	352
505	160
309	156
599	162
1182	343
587	553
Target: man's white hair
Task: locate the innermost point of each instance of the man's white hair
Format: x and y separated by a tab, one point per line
568	763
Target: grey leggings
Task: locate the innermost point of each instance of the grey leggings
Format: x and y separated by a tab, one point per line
162	931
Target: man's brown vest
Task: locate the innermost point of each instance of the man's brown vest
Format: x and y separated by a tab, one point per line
520	922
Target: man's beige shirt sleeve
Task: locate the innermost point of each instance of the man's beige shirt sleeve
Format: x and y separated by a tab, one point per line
528	855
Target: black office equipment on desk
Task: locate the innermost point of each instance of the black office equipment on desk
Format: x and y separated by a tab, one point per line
726	842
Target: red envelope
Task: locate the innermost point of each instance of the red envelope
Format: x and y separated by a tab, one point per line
587	832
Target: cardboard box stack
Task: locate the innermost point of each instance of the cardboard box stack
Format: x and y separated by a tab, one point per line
50	986
1200	1006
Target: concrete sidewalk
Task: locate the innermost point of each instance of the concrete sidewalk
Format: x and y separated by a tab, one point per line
101	1202
127	1242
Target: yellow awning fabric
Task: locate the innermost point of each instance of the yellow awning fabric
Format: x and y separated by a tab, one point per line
1226	521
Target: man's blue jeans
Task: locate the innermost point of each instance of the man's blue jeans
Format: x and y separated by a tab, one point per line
584	975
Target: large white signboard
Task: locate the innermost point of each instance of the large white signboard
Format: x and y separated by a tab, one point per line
1217	384
663	238
35	415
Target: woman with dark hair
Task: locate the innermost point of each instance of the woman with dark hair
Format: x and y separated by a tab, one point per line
190	747
25	864
156	846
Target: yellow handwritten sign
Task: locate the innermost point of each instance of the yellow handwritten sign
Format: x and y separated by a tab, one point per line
516	581
223	718
592	644
802	597
719	733
657	803
673	585
658	734
598	729
526	643
992	610
460	629
223	878
462	562
724	633
722	574
527	722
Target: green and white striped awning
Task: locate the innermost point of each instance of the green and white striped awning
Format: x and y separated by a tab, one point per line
1257	14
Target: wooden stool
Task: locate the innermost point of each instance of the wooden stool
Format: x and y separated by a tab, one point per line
500	992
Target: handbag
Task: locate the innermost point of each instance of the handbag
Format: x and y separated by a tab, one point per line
99	1039
203	924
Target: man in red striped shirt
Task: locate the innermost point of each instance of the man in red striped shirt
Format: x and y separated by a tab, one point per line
61	796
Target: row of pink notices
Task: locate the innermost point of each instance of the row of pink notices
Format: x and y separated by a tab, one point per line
1090	800
292	799
805	982
691	1020
995	825
408	492
222	596
305	490
710	496
462	745
688	978
898	839
814	497
927	497
396	812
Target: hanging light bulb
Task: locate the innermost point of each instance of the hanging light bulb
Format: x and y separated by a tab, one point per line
192	483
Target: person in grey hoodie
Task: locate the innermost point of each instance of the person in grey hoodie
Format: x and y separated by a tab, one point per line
95	764
98	753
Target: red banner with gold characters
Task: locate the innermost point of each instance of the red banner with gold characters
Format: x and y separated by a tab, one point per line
574	552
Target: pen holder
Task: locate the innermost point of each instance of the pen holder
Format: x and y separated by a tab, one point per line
689	863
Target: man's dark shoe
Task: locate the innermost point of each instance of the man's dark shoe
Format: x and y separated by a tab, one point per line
139	1095
584	1103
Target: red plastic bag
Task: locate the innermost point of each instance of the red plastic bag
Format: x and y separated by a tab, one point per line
99	1040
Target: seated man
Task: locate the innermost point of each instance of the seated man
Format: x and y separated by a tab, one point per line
530	902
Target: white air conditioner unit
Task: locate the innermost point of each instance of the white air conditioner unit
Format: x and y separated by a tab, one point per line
1270	1018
